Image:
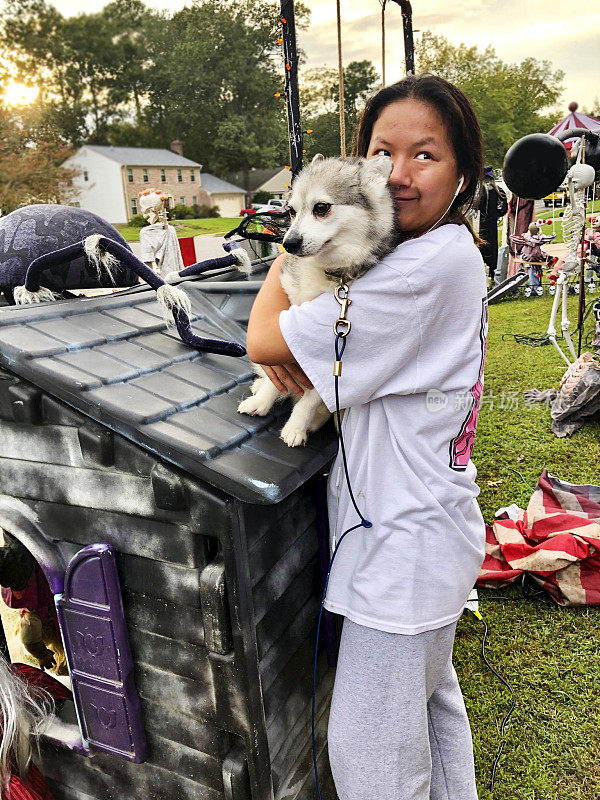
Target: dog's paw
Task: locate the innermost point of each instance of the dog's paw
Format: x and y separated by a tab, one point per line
293	436
254	406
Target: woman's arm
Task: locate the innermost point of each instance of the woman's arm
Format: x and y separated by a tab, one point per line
265	344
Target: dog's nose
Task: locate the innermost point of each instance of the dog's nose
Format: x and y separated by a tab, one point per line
292	244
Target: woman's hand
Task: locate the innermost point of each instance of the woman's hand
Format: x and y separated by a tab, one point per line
288	377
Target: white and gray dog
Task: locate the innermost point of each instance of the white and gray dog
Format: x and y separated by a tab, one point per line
343	223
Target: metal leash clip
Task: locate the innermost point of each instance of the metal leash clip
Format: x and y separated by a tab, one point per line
341	327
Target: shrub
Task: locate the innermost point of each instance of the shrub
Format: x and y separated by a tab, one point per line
203	211
261	197
138	221
182	212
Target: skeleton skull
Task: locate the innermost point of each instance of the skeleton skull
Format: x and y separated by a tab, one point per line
152	205
582	176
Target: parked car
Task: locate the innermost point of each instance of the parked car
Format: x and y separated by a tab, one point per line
557	198
275	204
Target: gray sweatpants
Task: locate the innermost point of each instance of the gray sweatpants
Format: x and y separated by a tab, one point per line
398	727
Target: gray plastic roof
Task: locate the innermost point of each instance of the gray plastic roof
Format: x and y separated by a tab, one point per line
214	185
114	359
143	156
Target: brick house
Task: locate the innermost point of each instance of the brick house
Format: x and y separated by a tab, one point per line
110	178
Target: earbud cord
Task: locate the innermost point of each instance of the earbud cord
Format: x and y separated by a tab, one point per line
340	345
456	193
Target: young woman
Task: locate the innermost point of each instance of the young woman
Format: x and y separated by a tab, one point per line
411	384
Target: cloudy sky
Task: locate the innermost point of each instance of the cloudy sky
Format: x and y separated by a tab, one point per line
555	30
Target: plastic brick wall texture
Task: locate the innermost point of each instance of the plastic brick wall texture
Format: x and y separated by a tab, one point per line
121	434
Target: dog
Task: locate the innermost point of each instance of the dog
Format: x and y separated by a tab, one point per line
343	223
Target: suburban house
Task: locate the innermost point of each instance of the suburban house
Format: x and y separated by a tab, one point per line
274	181
278	185
110	178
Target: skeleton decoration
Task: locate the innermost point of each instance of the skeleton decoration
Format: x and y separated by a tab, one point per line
577	398
579	177
538	164
158	241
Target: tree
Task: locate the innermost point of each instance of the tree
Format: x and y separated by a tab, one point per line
509	99
30	159
216	69
126	75
92	65
320	103
594	109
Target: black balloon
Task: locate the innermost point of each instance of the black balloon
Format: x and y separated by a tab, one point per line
592	154
535	166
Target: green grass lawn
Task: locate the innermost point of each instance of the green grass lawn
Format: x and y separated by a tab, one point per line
187	227
550	655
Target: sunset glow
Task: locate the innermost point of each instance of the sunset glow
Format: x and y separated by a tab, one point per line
18	94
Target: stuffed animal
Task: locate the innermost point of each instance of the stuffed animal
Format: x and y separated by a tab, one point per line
24	587
34	231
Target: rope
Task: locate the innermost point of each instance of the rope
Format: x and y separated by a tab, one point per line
341	82
383	2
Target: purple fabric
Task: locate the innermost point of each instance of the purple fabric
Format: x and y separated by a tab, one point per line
205	266
33	231
529	247
132	263
36	596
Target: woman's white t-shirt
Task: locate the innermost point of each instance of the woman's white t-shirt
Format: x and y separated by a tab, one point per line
412	381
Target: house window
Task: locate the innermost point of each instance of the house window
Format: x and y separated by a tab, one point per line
192	175
182	200
129	174
145	175
163	176
134	205
179	176
86	175
195	200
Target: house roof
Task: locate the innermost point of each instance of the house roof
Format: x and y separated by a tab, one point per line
279	182
143	156
256	177
113	359
213	185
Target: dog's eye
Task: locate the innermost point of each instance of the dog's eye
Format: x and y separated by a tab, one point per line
320	209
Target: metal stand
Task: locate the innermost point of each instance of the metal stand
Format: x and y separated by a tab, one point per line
291	86
409	46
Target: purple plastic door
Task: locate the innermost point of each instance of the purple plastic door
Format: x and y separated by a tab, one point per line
93	626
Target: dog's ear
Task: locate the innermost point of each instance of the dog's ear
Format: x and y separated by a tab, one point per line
318	157
381	164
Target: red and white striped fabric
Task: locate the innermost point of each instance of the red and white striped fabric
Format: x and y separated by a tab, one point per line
34	788
575	120
556	540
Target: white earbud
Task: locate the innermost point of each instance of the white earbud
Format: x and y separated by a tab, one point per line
461	180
